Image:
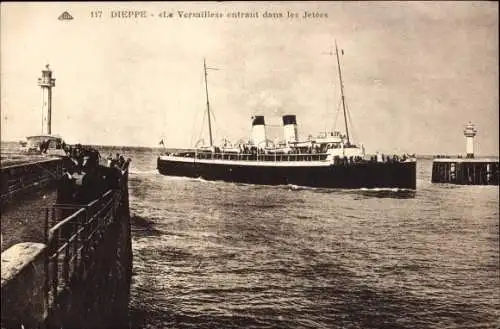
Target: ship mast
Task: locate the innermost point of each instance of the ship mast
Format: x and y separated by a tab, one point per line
342	93
208	104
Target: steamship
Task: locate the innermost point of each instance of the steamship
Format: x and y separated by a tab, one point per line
327	161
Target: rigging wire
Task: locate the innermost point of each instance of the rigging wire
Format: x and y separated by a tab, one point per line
348	112
336	116
202	125
335	91
353	132
217	131
193	129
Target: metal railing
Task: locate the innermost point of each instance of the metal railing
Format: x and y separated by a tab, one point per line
17	178
280	157
264	157
73	233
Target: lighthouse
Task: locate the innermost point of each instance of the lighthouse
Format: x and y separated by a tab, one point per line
46	82
469	133
469	171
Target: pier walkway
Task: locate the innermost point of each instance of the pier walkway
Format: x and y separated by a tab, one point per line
23	220
27	186
22	178
76	269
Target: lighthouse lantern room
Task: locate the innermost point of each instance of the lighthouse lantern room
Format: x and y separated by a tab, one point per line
469	133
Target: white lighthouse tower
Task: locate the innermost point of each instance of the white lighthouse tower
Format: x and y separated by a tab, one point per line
469	133
46	82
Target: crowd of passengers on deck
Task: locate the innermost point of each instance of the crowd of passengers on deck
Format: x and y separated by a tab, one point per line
443	156
311	149
292	154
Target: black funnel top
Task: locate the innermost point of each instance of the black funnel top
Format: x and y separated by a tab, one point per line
258	120
289	119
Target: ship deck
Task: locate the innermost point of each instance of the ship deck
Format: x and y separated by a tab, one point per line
274	160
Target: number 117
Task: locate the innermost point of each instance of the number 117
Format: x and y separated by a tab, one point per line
96	14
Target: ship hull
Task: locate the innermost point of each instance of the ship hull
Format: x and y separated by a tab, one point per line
325	175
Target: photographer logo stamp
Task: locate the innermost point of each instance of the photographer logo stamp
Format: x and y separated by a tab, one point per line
65	16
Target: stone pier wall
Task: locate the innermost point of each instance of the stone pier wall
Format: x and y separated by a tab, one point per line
465	171
100	299
19	180
75	281
23	301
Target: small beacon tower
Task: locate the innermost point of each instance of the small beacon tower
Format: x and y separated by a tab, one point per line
468	170
46	82
469	133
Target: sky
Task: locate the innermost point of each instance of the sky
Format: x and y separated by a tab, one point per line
414	72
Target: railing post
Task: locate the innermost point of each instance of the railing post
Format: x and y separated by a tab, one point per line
46	265
53	217
74	253
66	262
84	241
81	231
46	226
55	264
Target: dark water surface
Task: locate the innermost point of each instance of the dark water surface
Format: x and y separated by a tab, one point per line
224	255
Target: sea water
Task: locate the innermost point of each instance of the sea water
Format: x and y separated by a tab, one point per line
226	255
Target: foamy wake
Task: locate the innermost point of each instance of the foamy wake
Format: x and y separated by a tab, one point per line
385	189
364	189
142	172
294	187
183	178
